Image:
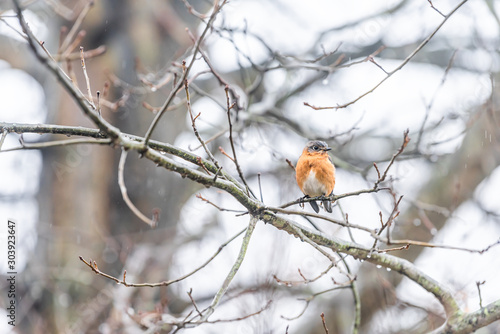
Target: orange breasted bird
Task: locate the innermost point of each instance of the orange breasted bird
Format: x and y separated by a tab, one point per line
315	173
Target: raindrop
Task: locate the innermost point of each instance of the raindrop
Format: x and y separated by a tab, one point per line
434	231
361	260
153	88
417	222
388	269
379	266
325	81
369	256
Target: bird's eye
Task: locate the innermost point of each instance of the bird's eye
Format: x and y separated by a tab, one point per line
315	148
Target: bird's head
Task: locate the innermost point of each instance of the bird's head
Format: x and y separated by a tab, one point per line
317	147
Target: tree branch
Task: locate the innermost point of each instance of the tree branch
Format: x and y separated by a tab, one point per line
389	74
236	266
123	189
470	322
65	81
180	82
92	265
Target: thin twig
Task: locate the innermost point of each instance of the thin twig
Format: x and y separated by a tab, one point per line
357	300
4	135
406	140
437	10
178	86
324	323
192	11
92	265
333	260
193	119
217	135
231	141
406	242
260	186
478	284
431	102
241	318
64	79
123	189
76	26
236	266
305	280
216	206
87	80
77	41
98	93
394	214
55	143
300	314
332	198
311	297
234	94
193	302
389	74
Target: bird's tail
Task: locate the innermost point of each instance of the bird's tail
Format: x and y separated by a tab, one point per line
328	205
316	207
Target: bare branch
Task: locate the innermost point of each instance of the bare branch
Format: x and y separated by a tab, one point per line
87	80
305	280
324	323
64	79
231	141
406	140
123	189
437	10
92	265
67	40
216	206
56	143
4	135
478	284
193	119
406	61
193	302
236	266
178	86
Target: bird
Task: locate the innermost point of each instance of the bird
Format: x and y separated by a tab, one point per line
315	173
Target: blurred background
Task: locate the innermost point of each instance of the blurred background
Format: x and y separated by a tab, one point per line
275	55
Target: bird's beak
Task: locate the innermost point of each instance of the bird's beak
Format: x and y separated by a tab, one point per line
327	149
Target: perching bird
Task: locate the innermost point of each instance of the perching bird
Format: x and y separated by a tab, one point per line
315	173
